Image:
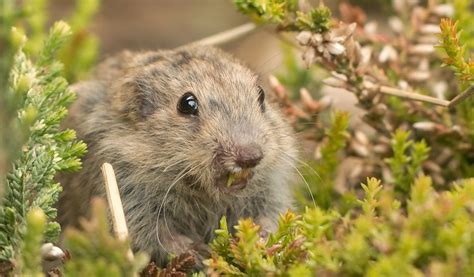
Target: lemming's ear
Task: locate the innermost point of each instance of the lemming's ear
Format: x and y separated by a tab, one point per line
140	96
138	99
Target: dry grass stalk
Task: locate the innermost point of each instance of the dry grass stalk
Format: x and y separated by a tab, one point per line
414	96
115	204
228	35
469	92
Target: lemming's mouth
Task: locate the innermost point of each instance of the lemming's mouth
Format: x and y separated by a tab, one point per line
235	181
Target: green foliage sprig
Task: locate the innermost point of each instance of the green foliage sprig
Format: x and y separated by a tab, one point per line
80	54
10	142
286	14
455	52
95	252
271	11
434	236
407	159
44	96
30	262
464	14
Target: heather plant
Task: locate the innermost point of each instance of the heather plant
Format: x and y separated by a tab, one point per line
432	236
31	16
80	55
33	100
30	260
95	252
43	96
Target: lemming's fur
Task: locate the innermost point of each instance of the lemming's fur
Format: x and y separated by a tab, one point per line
168	165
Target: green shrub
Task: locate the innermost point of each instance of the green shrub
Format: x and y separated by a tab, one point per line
433	236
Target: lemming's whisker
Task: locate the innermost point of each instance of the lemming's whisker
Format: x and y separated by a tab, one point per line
164	211
179	177
307	186
288	158
299	161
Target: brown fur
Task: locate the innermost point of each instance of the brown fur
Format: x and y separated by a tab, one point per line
166	163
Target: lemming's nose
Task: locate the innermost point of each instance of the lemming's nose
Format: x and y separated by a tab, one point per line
248	155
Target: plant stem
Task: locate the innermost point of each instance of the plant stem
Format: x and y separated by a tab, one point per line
461	97
228	35
115	204
413	96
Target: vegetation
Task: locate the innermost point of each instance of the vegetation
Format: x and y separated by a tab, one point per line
433	236
392	195
34	100
43	96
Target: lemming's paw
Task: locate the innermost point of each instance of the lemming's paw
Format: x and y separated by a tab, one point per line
175	243
200	251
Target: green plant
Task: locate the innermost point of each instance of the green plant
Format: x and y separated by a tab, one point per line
30	263
43	96
80	54
405	166
433	236
95	252
464	15
33	100
456	54
286	14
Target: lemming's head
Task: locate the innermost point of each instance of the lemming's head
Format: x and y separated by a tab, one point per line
201	116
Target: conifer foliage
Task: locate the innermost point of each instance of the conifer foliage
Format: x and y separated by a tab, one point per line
43	97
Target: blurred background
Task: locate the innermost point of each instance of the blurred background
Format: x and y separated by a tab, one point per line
157	24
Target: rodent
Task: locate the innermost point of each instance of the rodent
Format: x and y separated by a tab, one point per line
191	138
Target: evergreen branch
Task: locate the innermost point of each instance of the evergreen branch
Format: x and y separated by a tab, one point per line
432	235
96	252
370	203
407	160
44	96
30	262
455	52
286	15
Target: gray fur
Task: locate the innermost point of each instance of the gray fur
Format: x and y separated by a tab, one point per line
165	162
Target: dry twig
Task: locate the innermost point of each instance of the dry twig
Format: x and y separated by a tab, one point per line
469	92
228	35
115	204
414	96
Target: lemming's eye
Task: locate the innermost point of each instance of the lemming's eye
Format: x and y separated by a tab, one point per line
188	104
261	98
